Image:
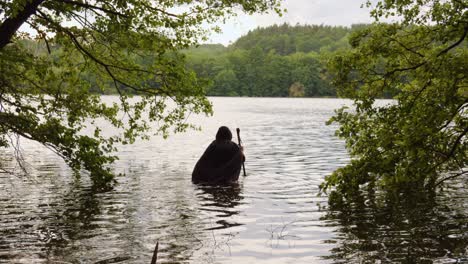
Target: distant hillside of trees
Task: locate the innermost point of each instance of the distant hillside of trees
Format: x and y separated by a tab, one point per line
285	39
276	61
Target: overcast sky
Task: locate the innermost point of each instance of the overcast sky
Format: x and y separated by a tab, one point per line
327	12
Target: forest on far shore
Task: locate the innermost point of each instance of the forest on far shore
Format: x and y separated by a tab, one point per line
276	61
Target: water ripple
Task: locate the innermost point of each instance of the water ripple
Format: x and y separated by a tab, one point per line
272	216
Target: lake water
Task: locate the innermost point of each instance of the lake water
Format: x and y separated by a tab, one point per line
273	216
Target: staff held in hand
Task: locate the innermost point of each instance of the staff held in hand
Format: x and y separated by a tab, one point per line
242	149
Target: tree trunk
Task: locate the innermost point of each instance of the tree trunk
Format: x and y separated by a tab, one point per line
12	24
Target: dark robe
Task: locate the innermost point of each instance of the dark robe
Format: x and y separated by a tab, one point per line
220	164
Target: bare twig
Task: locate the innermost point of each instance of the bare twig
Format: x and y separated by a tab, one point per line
450	177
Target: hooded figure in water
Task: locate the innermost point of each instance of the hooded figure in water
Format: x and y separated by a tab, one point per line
221	162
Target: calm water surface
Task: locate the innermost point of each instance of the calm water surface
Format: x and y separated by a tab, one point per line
272	216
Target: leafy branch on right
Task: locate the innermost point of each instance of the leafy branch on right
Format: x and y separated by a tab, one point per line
419	138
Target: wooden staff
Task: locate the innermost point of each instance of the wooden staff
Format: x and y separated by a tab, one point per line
239	139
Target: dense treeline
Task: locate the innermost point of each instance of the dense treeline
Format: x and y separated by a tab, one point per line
275	61
286	39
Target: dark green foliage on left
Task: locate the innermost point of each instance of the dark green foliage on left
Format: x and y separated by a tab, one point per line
48	90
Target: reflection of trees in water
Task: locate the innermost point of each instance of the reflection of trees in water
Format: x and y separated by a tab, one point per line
75	218
48	226
410	226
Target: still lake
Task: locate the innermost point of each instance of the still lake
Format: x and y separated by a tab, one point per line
273	215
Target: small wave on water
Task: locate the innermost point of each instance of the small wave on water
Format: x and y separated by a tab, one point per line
273	215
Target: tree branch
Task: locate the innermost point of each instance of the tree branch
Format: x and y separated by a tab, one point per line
85	51
457	141
405	47
404	69
452	150
155	9
465	33
42	34
88	6
450	177
458	109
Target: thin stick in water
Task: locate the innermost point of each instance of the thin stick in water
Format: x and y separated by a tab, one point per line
155	254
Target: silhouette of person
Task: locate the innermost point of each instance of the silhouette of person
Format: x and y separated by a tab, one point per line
221	162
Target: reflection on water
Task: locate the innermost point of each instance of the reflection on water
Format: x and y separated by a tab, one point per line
410	226
272	216
221	200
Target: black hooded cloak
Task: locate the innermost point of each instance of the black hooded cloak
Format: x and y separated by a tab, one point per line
221	162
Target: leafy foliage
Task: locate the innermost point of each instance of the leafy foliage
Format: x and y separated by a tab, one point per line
420	137
47	96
